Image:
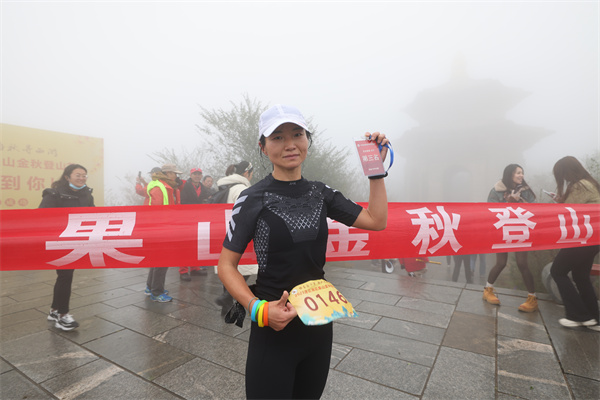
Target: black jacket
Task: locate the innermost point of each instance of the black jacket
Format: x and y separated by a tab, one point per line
188	194
65	197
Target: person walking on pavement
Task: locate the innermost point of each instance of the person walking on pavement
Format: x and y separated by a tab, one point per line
162	190
70	190
512	188
576	185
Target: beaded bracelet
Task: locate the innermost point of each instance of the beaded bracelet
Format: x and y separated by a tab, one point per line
248	308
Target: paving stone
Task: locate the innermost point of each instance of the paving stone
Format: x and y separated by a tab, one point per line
584	388
140	320
339	280
201	379
384	370
144	356
126	300
382	343
103	380
521	325
338	352
433	307
20	317
471	301
410	330
369	295
44	355
4	366
161	308
405	314
210	319
459	374
472	332
212	346
343	386
16	331
90	329
578	349
81	301
363	320
540	377
43	302
14	386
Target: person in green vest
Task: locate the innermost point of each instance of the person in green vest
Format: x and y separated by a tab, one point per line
163	190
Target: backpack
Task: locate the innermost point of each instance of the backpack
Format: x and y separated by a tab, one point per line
221	195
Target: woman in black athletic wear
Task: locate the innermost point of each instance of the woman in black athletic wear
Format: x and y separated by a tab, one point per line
286	216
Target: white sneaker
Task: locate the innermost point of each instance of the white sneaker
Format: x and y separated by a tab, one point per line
66	323
573	324
594	327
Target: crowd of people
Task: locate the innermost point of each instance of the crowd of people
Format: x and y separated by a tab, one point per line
286	216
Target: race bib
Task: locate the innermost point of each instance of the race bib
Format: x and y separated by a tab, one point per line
318	302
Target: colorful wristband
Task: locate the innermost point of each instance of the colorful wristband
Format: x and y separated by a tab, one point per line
259	319
266	315
255	308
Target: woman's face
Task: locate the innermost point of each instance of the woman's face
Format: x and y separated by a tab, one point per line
208	182
78	177
518	176
287	147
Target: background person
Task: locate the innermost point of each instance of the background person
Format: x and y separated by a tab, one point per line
286	216
162	190
193	192
576	185
512	188
70	190
239	175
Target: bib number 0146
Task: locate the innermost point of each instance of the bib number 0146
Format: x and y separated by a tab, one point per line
313	305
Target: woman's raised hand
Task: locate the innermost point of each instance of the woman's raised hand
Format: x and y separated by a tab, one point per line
380	139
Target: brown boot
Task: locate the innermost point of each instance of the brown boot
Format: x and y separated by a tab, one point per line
490	296
530	305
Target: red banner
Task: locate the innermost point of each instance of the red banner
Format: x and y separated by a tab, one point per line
188	235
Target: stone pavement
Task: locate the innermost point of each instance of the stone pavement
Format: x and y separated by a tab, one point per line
415	338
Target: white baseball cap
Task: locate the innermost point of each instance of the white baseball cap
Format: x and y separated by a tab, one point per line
277	115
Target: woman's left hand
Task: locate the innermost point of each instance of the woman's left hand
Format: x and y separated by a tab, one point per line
281	312
380	139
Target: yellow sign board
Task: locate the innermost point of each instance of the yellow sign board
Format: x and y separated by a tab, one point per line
33	158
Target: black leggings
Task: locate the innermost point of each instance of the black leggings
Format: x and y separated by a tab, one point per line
290	364
502	258
62	290
581	304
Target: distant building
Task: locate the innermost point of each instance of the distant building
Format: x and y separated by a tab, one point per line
463	141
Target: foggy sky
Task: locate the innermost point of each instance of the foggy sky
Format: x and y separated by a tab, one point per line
134	73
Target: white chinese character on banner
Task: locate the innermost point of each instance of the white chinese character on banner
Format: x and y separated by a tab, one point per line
429	227
95	227
344	238
515	230
204	236
576	230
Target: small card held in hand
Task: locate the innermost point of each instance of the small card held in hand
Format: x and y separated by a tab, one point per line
370	157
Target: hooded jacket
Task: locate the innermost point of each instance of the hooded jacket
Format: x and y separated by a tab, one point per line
234	192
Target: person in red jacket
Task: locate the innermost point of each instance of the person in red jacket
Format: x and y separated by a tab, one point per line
162	190
193	192
141	185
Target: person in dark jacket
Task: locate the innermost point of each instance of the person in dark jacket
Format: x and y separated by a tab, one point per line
512	188
69	191
193	192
